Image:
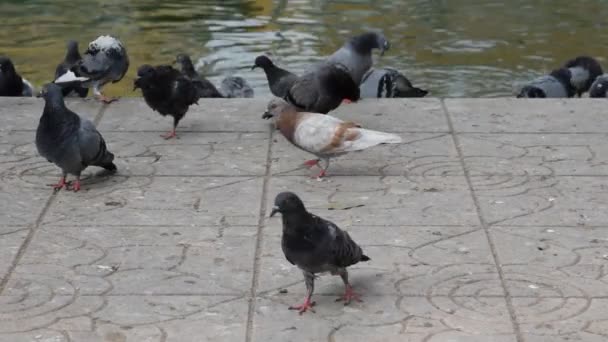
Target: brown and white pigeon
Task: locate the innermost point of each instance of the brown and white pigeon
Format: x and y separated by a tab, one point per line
323	135
315	245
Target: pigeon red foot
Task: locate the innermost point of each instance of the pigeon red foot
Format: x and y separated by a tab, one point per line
349	295
307	305
62	183
76	186
321	174
346	101
311	163
105	99
169	135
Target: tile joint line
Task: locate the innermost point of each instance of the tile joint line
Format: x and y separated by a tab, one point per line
484	224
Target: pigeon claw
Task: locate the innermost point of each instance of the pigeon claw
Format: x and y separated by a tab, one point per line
169	135
307	305
349	295
76	186
320	175
62	183
311	163
105	99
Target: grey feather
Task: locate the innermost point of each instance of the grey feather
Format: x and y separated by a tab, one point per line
555	85
356	53
312	243
235	87
65	139
279	79
388	82
599	88
323	90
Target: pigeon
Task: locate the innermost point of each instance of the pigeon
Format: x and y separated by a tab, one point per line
167	91
599	88
104	61
315	245
356	53
235	87
231	87
72	58
584	70
323	135
204	87
388	82
69	141
323	90
279	80
556	84
11	83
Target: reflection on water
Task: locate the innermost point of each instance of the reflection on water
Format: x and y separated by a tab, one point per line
455	48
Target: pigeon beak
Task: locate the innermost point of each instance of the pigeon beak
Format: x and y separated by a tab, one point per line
274	211
253	67
136	84
267	115
385	47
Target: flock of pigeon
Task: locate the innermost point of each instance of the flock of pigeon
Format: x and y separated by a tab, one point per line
299	112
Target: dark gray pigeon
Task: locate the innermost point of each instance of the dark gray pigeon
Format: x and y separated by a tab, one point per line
556	84
279	80
72	57
167	91
315	245
11	83
599	88
323	89
356	53
104	61
388	82
67	140
583	70
231	87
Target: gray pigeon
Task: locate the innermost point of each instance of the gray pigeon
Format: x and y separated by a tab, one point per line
279	80
235	87
11	83
323	90
556	84
69	141
315	245
72	58
388	82
599	88
583	70
104	61
356	54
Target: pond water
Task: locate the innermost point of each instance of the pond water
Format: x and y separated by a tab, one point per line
454	48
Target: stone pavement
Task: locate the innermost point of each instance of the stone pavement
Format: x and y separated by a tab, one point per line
489	223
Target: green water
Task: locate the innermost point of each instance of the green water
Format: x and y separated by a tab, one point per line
455	48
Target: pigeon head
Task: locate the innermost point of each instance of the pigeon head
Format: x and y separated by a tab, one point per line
6	65
72	54
144	74
276	106
366	42
185	63
262	62
599	87
51	93
286	203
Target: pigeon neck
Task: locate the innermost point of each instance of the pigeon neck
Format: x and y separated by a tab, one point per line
54	108
294	223
188	69
72	56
